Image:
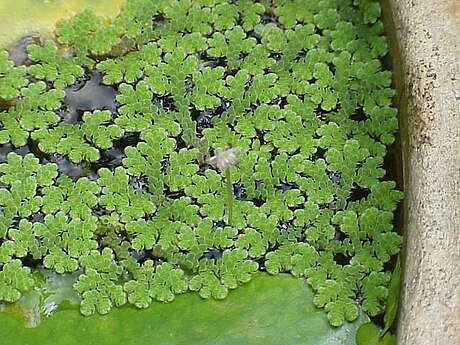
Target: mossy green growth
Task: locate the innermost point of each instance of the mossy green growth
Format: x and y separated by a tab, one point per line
107	134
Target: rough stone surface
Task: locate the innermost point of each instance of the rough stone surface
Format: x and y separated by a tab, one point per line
425	47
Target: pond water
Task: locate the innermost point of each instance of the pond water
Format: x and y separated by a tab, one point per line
107	143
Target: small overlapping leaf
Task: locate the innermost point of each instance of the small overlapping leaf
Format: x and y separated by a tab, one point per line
14	278
11	78
131	66
216	277
50	66
96	132
295	87
160	282
99	293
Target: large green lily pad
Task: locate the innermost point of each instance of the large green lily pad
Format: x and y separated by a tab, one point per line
267	310
26	17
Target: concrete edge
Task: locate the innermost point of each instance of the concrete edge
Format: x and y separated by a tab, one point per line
424	41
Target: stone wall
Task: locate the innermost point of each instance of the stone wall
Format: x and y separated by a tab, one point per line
425	48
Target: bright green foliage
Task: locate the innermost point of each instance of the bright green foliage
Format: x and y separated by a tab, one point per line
11	78
53	67
216	277
368	333
137	109
207	84
98	284
292	257
117	196
145	233
272	36
340	310
374	291
11	130
59	261
180	169
24	240
13	279
250	13
210	182
131	67
274	301
64	242
122	194
146	160
23	177
80	142
76	199
99	293
100	136
158	282
104	38
231	45
84	33
37	107
18	168
65	139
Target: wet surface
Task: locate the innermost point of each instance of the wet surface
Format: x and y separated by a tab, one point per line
86	96
18	51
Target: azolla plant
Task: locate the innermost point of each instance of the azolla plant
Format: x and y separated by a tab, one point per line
113	141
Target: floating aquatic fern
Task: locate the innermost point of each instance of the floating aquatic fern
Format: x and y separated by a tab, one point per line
12	78
61	71
105	166
14	278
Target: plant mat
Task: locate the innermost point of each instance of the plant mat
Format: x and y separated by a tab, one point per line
113	136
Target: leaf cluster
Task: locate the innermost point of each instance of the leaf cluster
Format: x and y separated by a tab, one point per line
11	78
137	104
